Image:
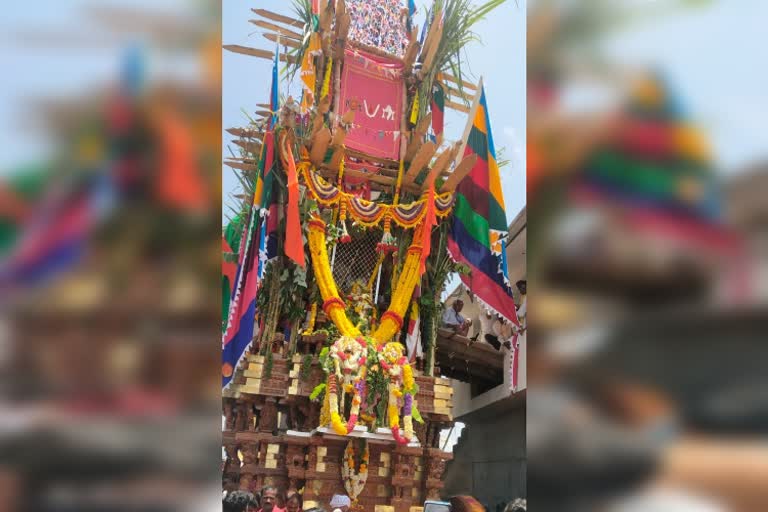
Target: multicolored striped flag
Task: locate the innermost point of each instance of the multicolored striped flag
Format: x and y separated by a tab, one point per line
479	222
257	244
242	309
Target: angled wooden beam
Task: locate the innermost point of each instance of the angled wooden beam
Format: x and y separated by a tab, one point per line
455	93
464	84
457	106
325	20
264	113
422	158
412	52
432	51
332	173
245	132
241	166
454	154
471	117
291	43
257	52
417	137
413	147
284	32
430	39
320	144
342	31
441	163
264	13
252	147
341	10
458	174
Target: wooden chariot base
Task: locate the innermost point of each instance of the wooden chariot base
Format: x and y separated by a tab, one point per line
271	438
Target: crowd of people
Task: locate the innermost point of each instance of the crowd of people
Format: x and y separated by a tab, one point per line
380	24
269	499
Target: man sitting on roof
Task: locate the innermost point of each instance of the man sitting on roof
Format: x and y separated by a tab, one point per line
453	319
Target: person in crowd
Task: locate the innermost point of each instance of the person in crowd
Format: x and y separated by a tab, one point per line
236	501
254	505
466	504
340	502
453	319
489	328
293	503
518	505
269	500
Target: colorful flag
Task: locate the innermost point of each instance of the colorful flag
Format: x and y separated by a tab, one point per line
57	236
238	331
438	109
274	96
427	23
294	241
257	244
309	72
180	185
228	276
411	12
479	222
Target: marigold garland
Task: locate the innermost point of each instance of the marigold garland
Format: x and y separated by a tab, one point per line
312	319
369	213
390	323
354	481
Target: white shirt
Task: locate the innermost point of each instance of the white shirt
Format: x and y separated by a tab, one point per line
451	317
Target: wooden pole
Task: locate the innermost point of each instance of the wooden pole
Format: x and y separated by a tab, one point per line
471	118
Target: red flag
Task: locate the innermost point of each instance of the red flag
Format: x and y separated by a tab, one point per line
430	220
180	185
294	243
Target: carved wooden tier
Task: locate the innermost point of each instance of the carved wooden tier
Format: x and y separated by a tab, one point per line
271	427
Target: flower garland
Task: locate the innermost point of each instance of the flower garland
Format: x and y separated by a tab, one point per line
334	307
368	213
349	357
312	319
354	481
401	389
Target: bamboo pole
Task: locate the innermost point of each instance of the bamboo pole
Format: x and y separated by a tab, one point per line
471	117
277	28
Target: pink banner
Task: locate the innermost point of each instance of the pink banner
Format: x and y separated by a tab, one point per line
373	88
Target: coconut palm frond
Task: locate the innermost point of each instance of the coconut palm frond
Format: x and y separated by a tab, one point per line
303	11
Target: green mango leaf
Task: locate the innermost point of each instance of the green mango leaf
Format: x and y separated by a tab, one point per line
416	414
316	392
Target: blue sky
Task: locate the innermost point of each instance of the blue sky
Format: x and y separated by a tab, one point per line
714	57
38	72
500	59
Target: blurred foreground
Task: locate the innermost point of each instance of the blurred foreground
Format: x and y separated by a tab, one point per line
109	223
647	346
